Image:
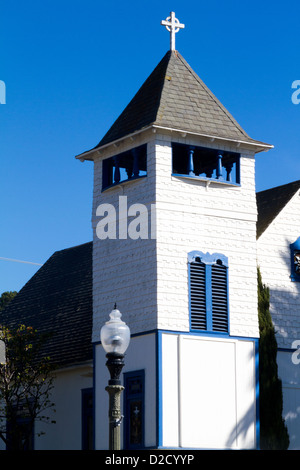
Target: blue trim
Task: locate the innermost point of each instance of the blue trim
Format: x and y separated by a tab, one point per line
121	183
129	161
238	173
208	260
215	334
223	167
204	334
228	303
203	178
94	395
191	333
219	170
191	162
127	398
287	350
159	404
256	342
296	244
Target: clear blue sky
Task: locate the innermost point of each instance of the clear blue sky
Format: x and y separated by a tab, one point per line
70	67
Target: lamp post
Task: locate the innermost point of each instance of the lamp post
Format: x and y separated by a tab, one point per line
115	338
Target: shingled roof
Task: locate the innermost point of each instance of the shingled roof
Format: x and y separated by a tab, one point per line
174	97
271	202
58	299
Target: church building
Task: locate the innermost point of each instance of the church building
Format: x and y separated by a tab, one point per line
177	162
174	245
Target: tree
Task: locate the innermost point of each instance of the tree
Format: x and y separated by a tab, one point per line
26	381
6	297
273	430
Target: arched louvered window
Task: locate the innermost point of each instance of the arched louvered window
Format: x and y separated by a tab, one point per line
208	291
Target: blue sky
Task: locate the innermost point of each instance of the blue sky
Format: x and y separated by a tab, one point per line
70	67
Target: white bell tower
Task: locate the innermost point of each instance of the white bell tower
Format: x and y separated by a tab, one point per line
174	219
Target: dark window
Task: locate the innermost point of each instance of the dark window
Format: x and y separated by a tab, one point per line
208	290
134	410
20	429
87	419
295	260
197	295
125	166
206	164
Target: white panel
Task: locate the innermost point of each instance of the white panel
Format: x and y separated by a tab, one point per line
246	398
208	393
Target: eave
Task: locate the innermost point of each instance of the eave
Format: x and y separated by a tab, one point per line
257	146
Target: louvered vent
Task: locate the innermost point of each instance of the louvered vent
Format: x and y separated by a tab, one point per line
219	298
198	297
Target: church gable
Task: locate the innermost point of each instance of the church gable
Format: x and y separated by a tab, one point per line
271	202
277	250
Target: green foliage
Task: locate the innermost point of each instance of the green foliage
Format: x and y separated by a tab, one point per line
273	431
26	381
6	297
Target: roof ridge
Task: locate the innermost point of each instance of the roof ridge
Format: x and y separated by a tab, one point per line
153	106
73	247
279	186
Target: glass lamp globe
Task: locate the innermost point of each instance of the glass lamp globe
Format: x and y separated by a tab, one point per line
115	334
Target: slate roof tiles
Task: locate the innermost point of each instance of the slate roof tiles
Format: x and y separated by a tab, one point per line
271	202
58	299
173	96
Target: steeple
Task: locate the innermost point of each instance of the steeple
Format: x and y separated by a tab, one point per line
174	97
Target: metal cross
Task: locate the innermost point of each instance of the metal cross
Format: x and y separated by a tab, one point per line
172	24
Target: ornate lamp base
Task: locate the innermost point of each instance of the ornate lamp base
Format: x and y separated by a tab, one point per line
115	363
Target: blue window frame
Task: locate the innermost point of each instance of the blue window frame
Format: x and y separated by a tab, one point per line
134	406
124	167
295	260
205	164
208	292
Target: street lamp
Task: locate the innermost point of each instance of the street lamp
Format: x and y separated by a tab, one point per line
115	338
